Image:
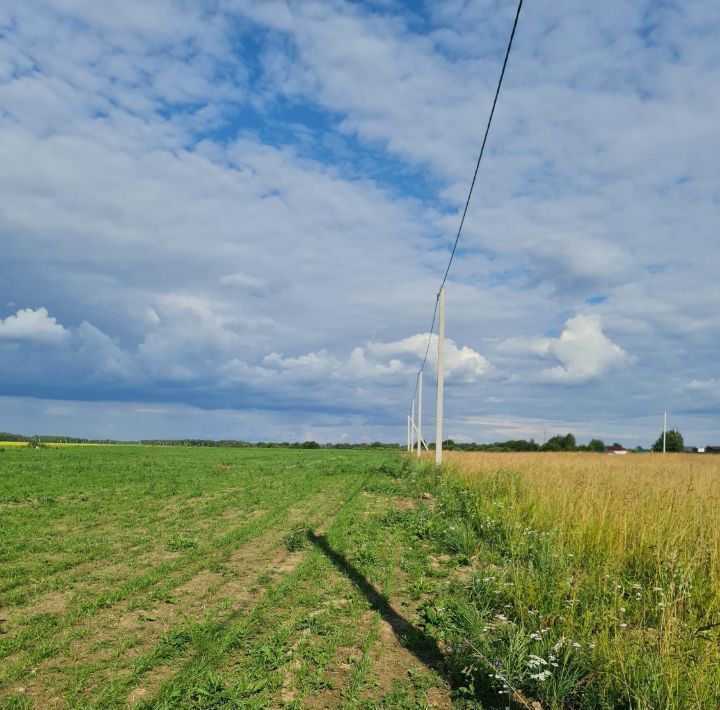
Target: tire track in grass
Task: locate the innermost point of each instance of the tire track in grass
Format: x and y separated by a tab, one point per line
260	558
164	578
322	625
358	676
402	650
177	476
396	664
49	575
314	592
142	659
228	646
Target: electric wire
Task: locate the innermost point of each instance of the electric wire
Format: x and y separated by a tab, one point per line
472	185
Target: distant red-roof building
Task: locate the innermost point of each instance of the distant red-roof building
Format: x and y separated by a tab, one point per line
617	449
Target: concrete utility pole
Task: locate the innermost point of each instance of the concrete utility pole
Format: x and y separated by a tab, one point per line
408	436
440	375
664	429
419	421
412	426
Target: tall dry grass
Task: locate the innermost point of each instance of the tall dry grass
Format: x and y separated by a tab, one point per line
612	507
621	551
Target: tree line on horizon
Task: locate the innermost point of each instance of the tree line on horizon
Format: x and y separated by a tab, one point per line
673	442
567	442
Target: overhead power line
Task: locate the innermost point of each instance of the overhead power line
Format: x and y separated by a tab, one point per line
485	137
472	184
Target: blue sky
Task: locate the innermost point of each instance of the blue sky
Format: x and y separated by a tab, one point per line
230	218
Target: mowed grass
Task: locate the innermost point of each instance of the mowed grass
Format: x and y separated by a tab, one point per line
598	577
170	577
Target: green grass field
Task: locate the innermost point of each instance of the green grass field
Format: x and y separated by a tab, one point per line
174	577
170	577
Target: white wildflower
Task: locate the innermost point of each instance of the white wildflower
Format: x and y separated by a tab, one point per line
542	676
535	662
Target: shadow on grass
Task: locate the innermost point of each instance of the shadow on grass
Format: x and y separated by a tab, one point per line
423	646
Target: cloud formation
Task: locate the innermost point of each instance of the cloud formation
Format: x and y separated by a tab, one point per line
584	352
248	206
35	325
462	363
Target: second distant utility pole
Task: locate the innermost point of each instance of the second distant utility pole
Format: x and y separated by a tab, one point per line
419	421
664	429
440	374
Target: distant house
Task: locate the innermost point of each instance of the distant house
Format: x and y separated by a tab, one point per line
617	450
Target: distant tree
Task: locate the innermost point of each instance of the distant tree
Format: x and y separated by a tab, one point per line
310	445
560	443
673	442
596	445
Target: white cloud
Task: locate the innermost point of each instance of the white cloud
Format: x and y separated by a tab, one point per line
709	387
462	363
35	325
582	349
381	360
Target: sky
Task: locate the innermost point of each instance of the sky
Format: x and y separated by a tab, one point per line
230	218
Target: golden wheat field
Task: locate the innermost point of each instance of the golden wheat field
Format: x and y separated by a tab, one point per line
615	504
629	546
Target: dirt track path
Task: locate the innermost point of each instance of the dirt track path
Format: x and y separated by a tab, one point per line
305	599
